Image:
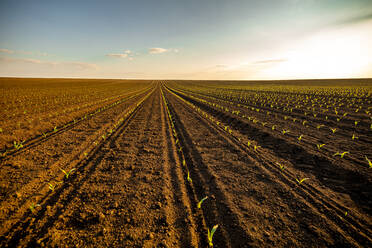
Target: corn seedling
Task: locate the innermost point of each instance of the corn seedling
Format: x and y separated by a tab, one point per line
17	145
282	168
320	146
300	181
333	130
319	126
356	123
369	162
55	129
354	137
188	177
67	174
273	127
44	135
201	201
285	131
304	123
33	206
52	187
300	138
255	147
340	154
210	235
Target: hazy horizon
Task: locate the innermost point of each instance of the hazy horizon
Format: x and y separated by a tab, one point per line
198	40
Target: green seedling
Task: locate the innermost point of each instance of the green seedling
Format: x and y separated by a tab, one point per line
201	201
320	146
52	187
33	206
255	147
333	130
188	177
319	126
249	143
345	213
354	137
273	127
263	123
356	123
17	145
210	235
369	162
55	129
340	154
44	135
67	174
180	149
285	131
282	168
300	138
300	181
304	123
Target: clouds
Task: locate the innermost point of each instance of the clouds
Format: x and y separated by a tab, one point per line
117	55
3	50
8	51
158	50
10	66
126	54
269	61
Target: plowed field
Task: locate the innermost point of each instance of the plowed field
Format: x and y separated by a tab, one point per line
130	167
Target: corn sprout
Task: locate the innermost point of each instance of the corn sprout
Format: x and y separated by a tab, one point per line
67	173
340	154
201	201
300	181
210	235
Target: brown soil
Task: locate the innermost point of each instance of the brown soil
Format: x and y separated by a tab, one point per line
130	189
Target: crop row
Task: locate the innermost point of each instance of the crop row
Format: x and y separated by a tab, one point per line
18	145
57	182
210	232
314	136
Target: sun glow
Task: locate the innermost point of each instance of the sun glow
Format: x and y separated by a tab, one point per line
335	54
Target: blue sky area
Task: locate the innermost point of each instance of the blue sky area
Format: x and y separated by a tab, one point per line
203	39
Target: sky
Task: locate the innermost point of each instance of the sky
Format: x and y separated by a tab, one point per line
193	39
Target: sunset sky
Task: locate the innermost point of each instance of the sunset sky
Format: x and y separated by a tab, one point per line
186	39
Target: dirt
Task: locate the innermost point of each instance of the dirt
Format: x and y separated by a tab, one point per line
130	189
